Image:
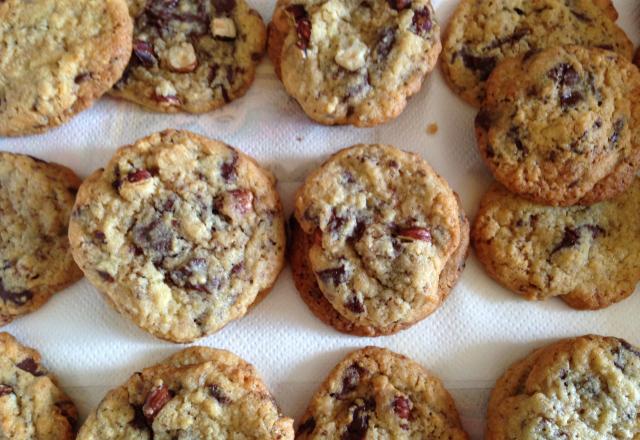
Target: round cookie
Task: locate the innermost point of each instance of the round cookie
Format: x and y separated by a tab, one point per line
376	393
197	393
562	126
381	240
58	57
191	55
352	61
581	388
36	199
31	404
481	33
180	232
589	257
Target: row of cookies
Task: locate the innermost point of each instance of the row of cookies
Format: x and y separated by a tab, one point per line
583	387
184	234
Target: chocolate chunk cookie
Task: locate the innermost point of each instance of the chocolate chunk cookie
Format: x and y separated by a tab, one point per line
36	199
481	33
589	257
381	240
199	393
180	232
581	388
353	61
31	404
191	55
562	126
375	393
57	57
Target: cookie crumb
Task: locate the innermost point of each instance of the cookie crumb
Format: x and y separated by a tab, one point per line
432	128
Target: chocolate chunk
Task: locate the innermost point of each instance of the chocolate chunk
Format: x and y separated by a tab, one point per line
386	40
402	407
423	234
516	36
219	395
100	237
168	99
224	6
581	16
242	200
572	236
30	366
570	99
138	176
399	5
483	65
303	25
337	275
106	276
156	236
357	429
67	409
156	400
306	427
629	347
144	53
19	298
484	119
355	304
139	421
564	74
422	22
228	169
350	380
5	389
79	79
618	126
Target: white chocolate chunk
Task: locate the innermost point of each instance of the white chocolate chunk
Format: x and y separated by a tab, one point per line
223	27
353	56
182	58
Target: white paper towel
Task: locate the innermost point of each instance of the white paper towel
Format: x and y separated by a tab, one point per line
468	342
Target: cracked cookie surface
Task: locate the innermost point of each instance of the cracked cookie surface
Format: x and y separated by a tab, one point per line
182	233
56	58
353	61
191	55
588	256
376	393
582	388
380	227
481	33
31	404
36	199
198	393
562	126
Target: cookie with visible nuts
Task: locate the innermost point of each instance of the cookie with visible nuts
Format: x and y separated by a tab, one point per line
191	55
588	256
182	233
36	199
32	406
481	33
196	393
378	240
562	126
376	393
351	61
579	388
57	58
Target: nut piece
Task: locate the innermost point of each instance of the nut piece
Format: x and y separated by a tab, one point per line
353	56
223	28
156	400
182	58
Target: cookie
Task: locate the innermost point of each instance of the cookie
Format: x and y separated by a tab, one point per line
180	232
36	199
581	388
352	61
562	126
589	257
381	240
31	404
191	55
57	58
482	33
376	393
199	393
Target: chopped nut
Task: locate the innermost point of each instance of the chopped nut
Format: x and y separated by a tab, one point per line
353	56
156	400
182	58
223	28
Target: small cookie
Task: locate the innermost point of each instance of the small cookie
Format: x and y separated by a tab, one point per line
31	404
191	55
562	126
481	33
581	388
36	199
376	393
200	393
352	61
180	232
589	257
57	57
381	240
